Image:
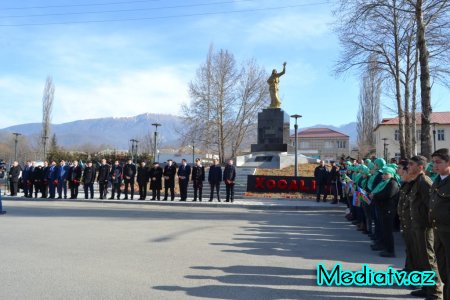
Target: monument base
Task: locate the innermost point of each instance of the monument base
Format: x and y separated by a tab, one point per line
269	160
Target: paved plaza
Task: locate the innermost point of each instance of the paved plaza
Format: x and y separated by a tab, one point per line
89	250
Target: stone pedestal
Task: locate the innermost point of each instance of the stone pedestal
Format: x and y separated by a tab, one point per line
273	131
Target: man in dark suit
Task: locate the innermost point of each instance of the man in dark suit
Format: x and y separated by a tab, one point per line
14	174
27	180
38	180
184	171
169	179
102	179
229	176
155	175
142	180
321	177
88	180
116	179
60	178
198	176
214	179
74	179
129	173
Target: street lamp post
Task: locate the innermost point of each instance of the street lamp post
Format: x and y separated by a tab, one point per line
193	151
134	146
296	116
44	141
385	148
434	136
15	144
155	146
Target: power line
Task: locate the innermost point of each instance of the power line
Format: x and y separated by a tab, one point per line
77	5
125	10
165	17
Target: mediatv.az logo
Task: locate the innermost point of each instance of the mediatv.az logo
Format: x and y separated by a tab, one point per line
367	277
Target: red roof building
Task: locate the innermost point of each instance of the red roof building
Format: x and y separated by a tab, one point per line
329	144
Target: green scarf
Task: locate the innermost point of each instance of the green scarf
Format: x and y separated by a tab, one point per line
381	186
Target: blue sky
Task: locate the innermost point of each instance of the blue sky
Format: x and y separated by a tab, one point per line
127	67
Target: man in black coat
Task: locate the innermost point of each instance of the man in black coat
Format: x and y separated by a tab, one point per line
321	177
38	180
198	176
155	175
74	178
44	186
116	179
102	179
14	174
88	180
129	173
169	179
229	176
27	179
142	180
214	179
184	171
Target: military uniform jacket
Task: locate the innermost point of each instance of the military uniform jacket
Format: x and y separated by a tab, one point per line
129	170
142	175
440	204
419	198
403	208
156	173
169	175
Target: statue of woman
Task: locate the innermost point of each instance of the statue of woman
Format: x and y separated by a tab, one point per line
273	82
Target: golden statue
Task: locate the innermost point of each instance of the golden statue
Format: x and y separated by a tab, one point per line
274	81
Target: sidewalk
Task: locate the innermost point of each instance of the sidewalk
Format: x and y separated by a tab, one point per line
249	203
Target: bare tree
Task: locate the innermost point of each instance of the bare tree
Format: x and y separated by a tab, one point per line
224	103
47	106
369	107
389	29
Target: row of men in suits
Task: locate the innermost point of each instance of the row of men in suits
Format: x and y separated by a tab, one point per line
49	179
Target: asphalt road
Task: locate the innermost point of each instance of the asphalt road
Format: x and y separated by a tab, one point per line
51	250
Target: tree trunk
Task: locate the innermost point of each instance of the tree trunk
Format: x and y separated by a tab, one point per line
414	105
425	86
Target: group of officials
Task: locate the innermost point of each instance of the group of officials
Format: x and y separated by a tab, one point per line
57	178
414	192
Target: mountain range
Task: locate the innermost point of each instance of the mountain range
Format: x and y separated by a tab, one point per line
116	133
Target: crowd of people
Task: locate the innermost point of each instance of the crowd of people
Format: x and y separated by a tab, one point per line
54	180
413	194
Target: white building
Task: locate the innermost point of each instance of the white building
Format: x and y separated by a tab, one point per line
387	134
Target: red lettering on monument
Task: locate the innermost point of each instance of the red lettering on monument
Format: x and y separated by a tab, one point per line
282	184
259	183
293	185
271	184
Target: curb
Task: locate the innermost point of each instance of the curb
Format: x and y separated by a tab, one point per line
271	206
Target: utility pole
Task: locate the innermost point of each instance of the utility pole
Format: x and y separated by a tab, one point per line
154	145
296	116
15	144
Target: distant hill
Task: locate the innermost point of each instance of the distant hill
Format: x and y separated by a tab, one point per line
117	132
113	132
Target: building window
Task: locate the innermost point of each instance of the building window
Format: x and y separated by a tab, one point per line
418	134
397	135
441	135
341	144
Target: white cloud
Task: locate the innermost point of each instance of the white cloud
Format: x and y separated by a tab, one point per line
160	90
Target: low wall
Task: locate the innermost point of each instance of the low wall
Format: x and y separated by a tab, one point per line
280	184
